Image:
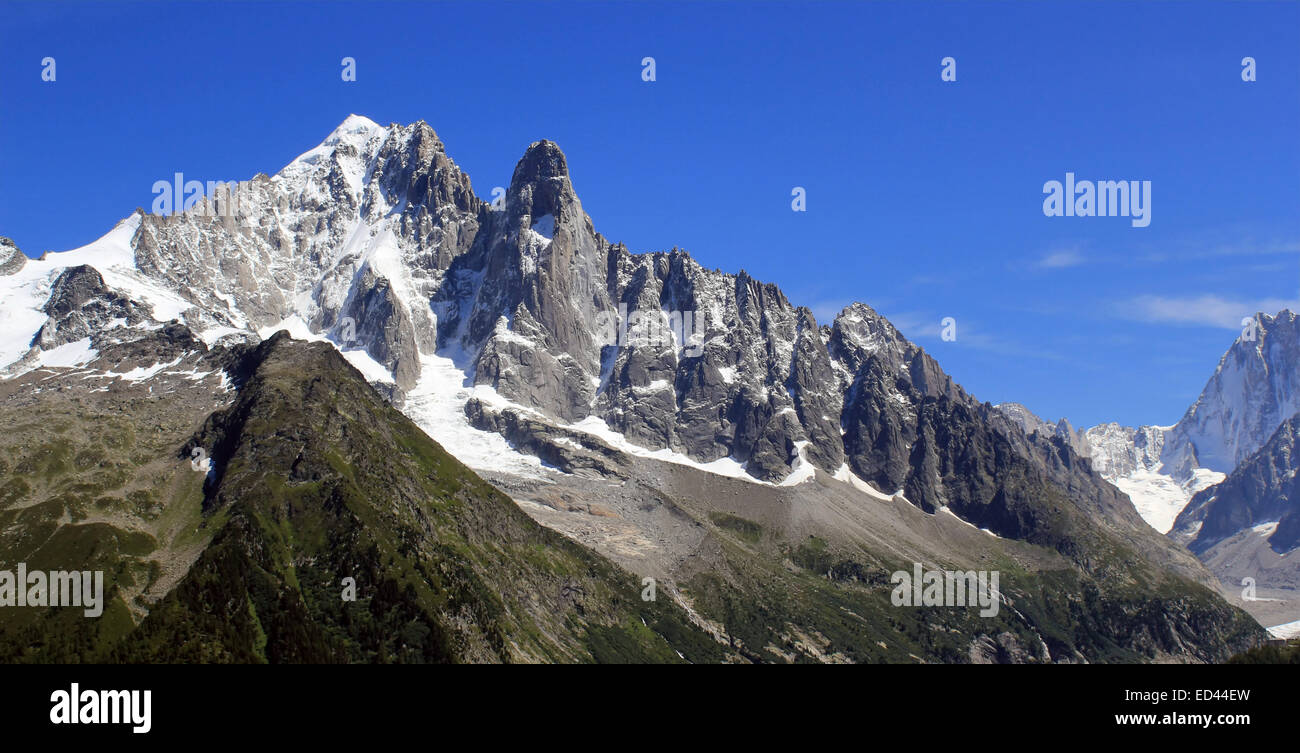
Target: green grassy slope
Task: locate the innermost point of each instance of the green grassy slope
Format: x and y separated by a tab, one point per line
317	479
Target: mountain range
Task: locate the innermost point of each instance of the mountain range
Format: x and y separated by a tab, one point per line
1221	480
320	342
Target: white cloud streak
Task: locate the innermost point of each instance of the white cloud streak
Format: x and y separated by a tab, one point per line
1206	310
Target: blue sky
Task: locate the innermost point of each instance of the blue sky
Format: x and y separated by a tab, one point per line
924	198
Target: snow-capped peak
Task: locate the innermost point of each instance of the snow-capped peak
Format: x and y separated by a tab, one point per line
1254	389
356	131
356	124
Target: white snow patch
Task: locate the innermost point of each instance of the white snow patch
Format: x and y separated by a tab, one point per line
1159	498
356	131
211	335
801	470
69	354
141	373
371	369
437	405
846	475
1286	630
296	327
597	427
544	227
24	293
503	333
967	522
110	251
656	385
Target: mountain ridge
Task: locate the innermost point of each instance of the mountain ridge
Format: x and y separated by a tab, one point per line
481	323
1247	397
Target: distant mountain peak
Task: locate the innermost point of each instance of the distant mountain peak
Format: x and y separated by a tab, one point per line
1255	387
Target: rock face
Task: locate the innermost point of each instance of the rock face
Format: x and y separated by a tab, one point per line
571	452
1127	457
1254	389
1030	423
82	306
1118	451
1247	526
540	268
1264	491
1130	459
11	259
1251	392
1247	529
375	239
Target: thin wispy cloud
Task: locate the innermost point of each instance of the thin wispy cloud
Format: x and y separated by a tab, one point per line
927	330
915	325
1060	259
1221	249
1206	310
